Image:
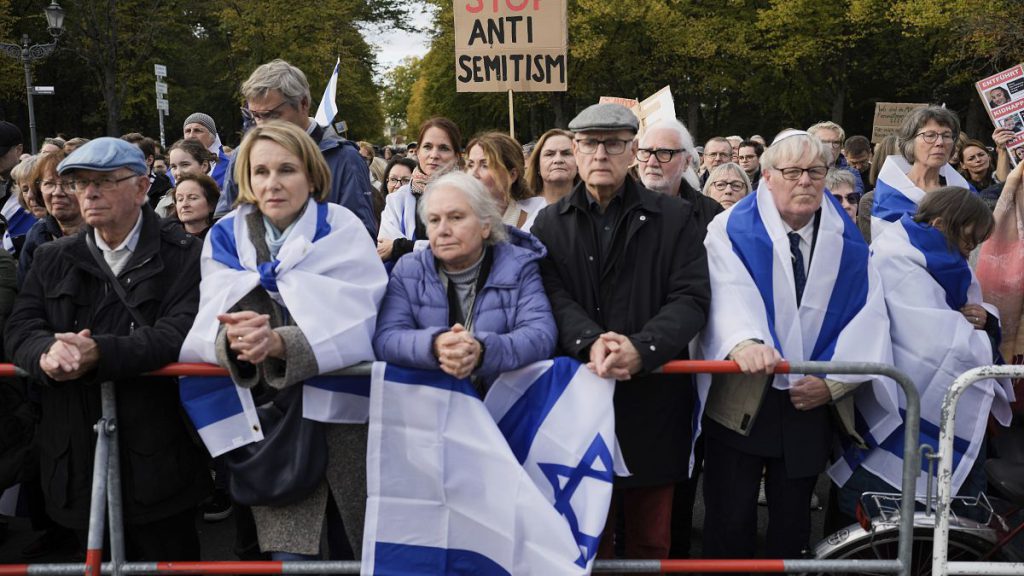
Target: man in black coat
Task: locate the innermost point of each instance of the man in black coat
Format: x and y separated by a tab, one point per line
72	331
627	276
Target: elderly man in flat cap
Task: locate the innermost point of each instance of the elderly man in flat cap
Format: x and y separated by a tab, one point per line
110	304
627	276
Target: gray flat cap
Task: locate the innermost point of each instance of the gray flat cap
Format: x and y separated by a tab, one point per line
607	116
104	155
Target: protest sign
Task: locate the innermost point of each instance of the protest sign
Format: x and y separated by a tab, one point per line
517	45
657	107
888	117
1003	97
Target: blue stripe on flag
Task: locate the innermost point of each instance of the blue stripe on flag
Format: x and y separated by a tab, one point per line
890	204
410	560
523	419
355	385
753	246
222	240
433	378
850	291
18	224
209	399
930	436
323	228
943	263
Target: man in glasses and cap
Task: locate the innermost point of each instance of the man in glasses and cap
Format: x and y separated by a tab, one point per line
279	91
111	303
627	276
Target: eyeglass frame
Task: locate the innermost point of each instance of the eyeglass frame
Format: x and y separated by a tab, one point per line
598	143
783	171
261	115
399	181
65	184
735	186
104	184
946	137
856	195
657	154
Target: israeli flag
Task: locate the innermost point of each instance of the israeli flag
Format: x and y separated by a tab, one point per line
329	103
18	219
518	484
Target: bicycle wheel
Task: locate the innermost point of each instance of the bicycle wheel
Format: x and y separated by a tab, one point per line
855	543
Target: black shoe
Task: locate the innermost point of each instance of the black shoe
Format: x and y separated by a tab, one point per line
217	507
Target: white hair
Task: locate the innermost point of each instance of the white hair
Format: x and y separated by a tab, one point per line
685	142
479	199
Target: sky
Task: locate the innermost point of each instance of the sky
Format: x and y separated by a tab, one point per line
394	45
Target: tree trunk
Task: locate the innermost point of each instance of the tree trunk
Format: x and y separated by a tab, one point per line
112	100
839	101
693	115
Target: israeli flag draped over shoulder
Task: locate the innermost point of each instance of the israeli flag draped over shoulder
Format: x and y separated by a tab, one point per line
896	195
19	220
926	284
517	484
841	317
313	267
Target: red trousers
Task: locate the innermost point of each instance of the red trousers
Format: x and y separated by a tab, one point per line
647	515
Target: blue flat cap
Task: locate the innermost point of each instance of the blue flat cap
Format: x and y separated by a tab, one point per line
105	155
607	116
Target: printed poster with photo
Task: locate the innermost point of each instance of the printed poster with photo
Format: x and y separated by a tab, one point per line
1003	97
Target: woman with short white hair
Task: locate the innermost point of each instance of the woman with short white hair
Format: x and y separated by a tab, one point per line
727	184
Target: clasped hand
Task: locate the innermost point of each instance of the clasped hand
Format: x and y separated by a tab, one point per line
806	393
71	356
457	351
251	337
613	355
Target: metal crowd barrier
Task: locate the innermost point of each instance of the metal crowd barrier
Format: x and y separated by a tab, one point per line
940	541
106	494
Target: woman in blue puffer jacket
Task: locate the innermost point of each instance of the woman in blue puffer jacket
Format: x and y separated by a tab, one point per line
474	303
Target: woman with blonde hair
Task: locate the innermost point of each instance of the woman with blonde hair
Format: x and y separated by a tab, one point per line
496	160
290	291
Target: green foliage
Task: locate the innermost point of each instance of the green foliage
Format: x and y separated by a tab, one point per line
398	86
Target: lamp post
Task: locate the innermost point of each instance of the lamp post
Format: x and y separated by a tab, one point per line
29	53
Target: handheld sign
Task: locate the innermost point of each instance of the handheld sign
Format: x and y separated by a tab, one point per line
517	45
889	116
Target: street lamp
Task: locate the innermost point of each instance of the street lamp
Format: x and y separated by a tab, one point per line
28	53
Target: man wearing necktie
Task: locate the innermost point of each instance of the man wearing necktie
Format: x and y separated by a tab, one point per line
789	278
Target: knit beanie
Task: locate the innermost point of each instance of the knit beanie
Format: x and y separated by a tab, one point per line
200	118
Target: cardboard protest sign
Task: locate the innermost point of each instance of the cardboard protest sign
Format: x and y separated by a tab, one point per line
518	45
888	117
655	108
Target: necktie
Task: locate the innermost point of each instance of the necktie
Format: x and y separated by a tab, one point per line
799	273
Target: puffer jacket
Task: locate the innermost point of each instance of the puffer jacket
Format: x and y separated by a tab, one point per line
512	315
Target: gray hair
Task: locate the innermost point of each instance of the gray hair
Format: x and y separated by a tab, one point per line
479	199
685	142
723	169
828	125
791	146
916	120
837	177
277	75
23	170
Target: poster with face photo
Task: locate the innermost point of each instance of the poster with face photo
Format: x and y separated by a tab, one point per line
1003	97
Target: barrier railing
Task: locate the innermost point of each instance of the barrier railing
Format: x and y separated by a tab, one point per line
106	494
940	548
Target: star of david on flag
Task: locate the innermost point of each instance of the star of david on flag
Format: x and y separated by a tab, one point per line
517	484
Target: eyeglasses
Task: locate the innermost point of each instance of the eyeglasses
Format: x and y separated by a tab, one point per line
104	184
930	137
612	146
254	115
832	143
50	186
662	154
794	173
851	198
718	154
734	185
400	181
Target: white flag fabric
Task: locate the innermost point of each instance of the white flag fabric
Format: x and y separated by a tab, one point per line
320	261
328	108
926	284
896	194
519	486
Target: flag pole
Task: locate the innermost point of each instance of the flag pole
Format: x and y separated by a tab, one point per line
511	117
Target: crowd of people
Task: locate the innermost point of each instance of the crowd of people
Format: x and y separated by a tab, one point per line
301	252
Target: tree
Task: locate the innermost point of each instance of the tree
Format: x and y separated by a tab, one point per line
398	86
